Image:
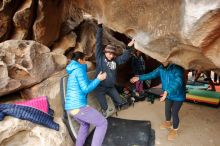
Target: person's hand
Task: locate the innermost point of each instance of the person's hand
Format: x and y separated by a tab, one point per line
134	79
131	43
137	94
102	76
164	96
100	19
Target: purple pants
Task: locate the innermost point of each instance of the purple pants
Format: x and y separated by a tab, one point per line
86	116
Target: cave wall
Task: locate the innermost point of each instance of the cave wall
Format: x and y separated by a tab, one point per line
166	30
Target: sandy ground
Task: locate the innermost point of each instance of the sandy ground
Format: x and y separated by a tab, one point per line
200	125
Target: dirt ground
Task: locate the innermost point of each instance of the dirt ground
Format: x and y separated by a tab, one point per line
200	125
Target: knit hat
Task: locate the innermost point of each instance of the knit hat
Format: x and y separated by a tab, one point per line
110	48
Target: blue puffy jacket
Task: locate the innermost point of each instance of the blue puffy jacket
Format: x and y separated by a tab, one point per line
172	78
78	85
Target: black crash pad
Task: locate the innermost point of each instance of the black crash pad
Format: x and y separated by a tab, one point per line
122	132
154	91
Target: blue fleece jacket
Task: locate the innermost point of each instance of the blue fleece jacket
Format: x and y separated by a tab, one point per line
78	85
172	78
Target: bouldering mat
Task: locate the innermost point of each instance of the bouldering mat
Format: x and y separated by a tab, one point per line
122	132
203	96
199	86
217	88
153	93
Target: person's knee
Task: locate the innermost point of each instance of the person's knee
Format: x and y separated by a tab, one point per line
85	125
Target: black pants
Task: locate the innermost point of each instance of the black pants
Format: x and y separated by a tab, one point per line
172	108
216	78
100	93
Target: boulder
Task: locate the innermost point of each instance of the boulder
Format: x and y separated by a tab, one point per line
188	24
25	63
133	16
7	10
213	52
51	15
21	132
23	20
207	29
62	45
49	19
73	17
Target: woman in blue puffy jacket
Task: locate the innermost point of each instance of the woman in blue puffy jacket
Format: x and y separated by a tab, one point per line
78	86
173	85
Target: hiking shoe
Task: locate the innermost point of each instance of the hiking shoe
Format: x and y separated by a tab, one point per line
122	106
172	134
104	113
107	112
166	125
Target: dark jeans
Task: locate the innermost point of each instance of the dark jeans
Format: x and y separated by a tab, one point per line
100	93
216	78
172	108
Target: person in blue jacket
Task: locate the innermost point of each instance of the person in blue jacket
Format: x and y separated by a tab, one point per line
78	86
173	85
107	61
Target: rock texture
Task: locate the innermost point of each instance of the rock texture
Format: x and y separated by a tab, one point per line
132	16
7	10
170	23
62	45
47	24
51	15
15	132
23	20
189	24
25	63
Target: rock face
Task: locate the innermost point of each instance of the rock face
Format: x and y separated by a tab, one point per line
23	20
7	10
25	63
47	25
61	46
51	15
133	16
15	132
160	29
176	25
